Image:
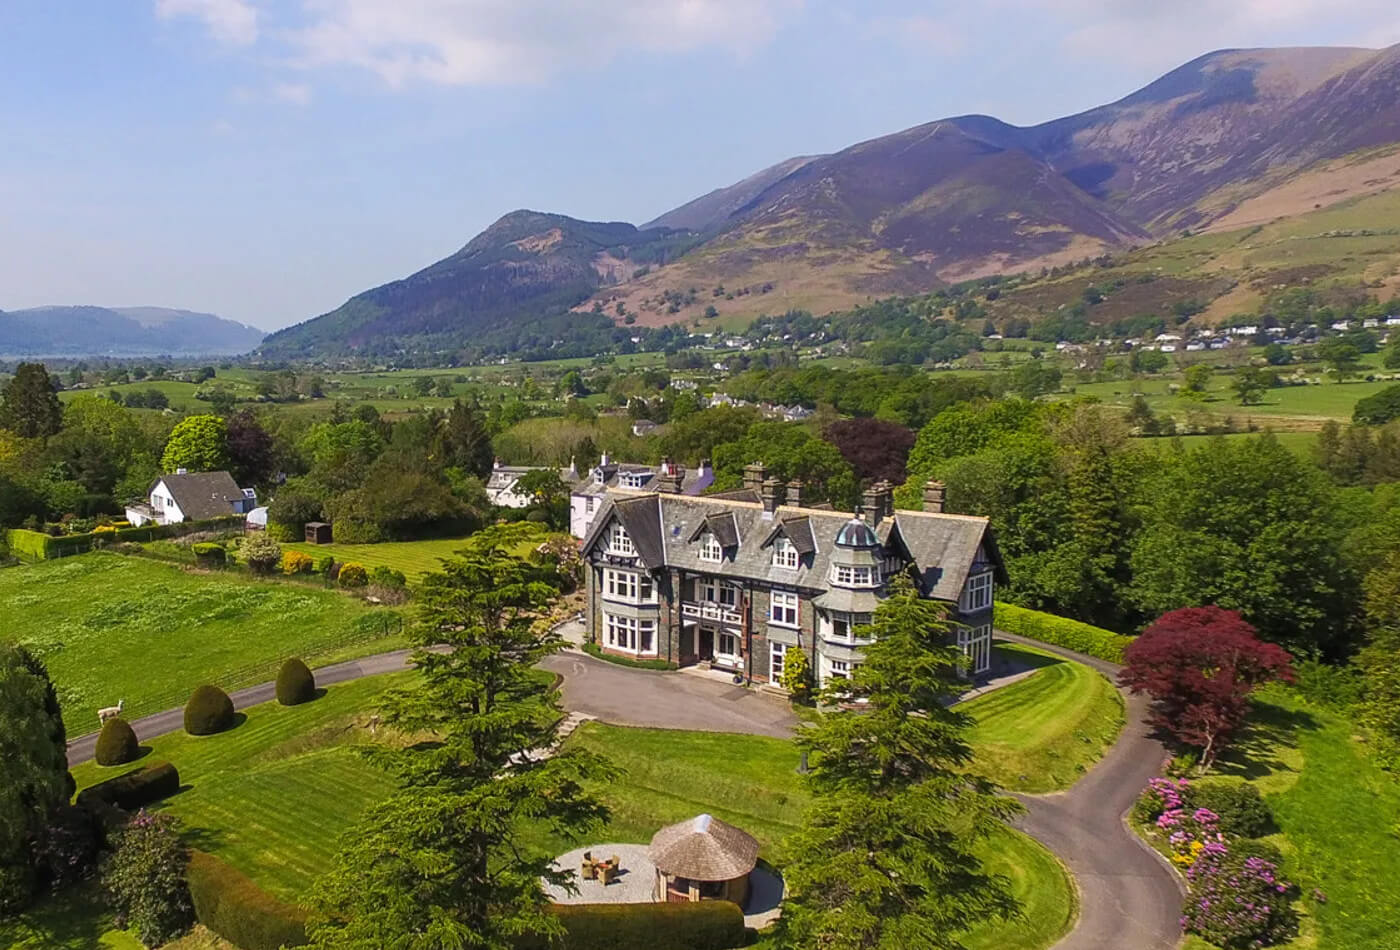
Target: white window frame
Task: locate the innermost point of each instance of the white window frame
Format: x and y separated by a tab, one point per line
716	591
777	656
785	555
976	644
629	634
631	587
977	593
633	479
620	542
784	609
844	575
722	654
710	548
829	620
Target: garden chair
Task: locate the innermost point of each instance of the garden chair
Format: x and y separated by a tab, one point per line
589	871
607	872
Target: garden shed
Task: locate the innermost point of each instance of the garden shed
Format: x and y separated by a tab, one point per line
703	859
318	532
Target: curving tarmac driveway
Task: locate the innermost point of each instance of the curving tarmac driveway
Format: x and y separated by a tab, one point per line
1129	898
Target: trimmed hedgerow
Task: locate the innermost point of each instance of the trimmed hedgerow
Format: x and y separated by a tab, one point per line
116	743
208	711
352	575
234	907
1062	632
295	683
701	925
134	789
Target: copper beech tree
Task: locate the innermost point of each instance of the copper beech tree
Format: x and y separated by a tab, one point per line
1199	665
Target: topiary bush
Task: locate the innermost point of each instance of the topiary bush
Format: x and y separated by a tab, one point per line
235	908
352	575
260	553
294	562
1241	810
209	711
295	683
116	743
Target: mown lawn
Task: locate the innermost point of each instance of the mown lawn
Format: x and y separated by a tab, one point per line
1042	733
111	627
413	558
752	782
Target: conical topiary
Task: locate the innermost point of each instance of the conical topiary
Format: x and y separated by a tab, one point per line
208	711
116	743
295	683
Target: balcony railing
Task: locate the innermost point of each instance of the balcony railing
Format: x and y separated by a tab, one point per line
709	610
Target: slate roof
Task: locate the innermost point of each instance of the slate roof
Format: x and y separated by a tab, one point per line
943	547
202	495
693	482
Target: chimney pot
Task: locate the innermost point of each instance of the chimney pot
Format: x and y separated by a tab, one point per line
754	475
794	493
768	494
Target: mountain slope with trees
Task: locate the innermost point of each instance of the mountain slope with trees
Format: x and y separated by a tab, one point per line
122	331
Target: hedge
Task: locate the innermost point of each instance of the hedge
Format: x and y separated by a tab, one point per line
698	925
37	546
135	789
1062	632
592	649
234	907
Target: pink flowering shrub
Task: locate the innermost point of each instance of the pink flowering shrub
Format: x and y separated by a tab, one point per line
1191	834
1238	903
1161	795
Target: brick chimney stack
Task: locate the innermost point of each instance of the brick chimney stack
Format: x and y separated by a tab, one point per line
933	496
877	502
670	477
794	493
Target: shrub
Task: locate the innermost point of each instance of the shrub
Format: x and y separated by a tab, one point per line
295	683
294	562
1238	902
134	789
347	531
260	553
703	925
69	848
383	576
1062	632
352	575
1336	687
1254	848
1242	812
797	675
144	878
208	711
209	554
281	531
1161	795
116	743
235	908
325	565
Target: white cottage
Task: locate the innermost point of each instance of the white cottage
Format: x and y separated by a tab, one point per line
192	496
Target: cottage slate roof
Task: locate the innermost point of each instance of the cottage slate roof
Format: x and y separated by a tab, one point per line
943	547
202	495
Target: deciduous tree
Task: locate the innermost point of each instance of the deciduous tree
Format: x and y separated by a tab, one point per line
197	444
1199	665
874	448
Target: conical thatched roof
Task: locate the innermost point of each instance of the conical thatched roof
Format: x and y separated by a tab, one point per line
704	849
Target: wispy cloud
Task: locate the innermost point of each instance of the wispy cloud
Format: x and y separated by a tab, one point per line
492	42
922	33
229	21
296	93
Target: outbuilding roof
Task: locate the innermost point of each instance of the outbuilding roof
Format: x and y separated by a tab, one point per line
703	848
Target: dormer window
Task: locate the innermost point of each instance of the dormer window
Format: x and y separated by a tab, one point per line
785	554
633	479
844	575
710	548
620	542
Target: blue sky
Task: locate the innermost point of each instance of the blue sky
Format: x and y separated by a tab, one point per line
267	159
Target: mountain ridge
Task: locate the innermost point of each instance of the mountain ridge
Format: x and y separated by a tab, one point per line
85	330
938	202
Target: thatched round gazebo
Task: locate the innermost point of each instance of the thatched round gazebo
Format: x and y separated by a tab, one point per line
703	859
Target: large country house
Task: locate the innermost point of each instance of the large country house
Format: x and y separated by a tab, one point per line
737	580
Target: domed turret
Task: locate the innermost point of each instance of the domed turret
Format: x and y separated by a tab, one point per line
857	534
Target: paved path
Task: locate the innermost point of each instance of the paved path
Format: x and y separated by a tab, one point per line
1128	896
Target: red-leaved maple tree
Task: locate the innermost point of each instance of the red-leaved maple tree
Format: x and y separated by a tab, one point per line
1199	665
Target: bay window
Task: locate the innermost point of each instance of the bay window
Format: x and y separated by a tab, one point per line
841	627
976	644
629	634
843	575
628	586
977	593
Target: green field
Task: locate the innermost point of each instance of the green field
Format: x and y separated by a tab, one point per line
1313	404
1042	733
111	627
413	558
